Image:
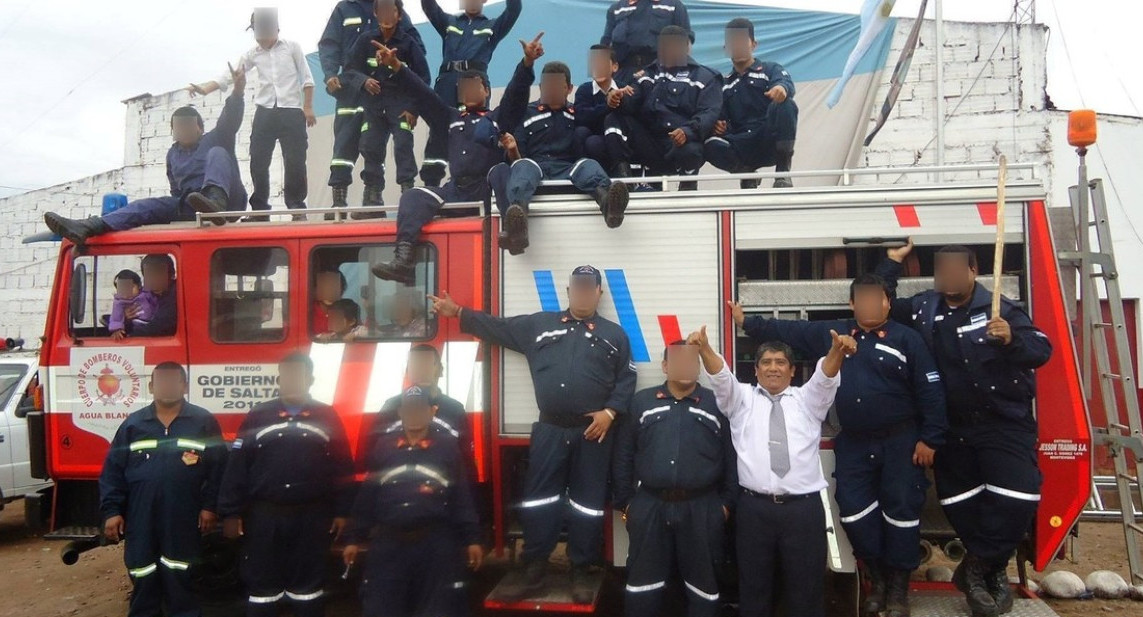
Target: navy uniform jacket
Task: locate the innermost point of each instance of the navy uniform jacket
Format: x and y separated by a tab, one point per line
165	320
349	19
578	366
184	461
891	380
744	100
471	38
362	64
472	133
289	459
980	378
687	97
543	133
186	170
591	106
669	443
414	486
451	418
634	26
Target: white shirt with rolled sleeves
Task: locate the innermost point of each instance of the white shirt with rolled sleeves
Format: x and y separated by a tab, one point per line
282	74
748	409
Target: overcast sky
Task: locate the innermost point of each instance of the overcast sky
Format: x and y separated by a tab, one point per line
67	65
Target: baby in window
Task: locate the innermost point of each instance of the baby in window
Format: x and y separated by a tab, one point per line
129	293
344	322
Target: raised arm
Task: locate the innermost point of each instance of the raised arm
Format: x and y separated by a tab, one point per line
809	338
426	101
437	17
819	392
890	269
514	333
503	24
728	393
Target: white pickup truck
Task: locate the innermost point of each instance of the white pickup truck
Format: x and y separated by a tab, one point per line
17	371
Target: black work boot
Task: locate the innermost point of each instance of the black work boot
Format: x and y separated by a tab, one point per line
969	580
340	200
622	169
582	589
531	582
612	202
999	589
897	596
784	150
76	230
875	601
401	269
405	186
749	184
688	185
210	200
514	235
370	197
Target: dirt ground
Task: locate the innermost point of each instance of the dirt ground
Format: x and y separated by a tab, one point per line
37	584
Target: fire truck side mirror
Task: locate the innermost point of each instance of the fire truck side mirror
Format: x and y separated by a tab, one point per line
77	295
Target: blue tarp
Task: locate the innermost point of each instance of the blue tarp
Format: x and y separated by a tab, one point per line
812	45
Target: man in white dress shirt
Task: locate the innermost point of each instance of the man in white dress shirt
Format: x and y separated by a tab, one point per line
781	537
284	97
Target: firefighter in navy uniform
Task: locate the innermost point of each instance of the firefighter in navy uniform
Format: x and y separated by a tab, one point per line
411	509
671	109
470	159
891	408
986	474
424	370
350	18
676	479
287	490
545	146
583	378
632	30
388	110
159	489
759	117
468	41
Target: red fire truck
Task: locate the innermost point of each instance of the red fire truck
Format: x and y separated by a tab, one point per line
245	294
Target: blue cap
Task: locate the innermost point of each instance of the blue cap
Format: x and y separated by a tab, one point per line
587	272
416	394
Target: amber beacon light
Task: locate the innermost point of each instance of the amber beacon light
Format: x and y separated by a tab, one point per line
1081	128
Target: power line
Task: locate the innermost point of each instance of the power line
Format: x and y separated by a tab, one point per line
91	75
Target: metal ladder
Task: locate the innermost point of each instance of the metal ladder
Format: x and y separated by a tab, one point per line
1102	342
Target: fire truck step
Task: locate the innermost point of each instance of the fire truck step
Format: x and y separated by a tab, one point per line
75	533
556	596
950	603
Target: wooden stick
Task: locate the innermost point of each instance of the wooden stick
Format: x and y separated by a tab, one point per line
998	257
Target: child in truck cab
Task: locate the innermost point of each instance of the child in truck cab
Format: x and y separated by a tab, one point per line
130	295
344	323
329	287
159	283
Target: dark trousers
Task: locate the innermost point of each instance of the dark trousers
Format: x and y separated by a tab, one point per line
880	493
781	554
283	558
423	203
664	535
517	183
383	121
754	148
594	147
220	170
162	544
285	126
347	123
630	140
436	150
989	486
416	574
561	463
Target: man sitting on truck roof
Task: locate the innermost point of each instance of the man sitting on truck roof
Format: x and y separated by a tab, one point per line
201	168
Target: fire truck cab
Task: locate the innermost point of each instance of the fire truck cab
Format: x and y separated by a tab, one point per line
246	298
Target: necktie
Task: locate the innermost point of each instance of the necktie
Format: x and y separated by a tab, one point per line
779	442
